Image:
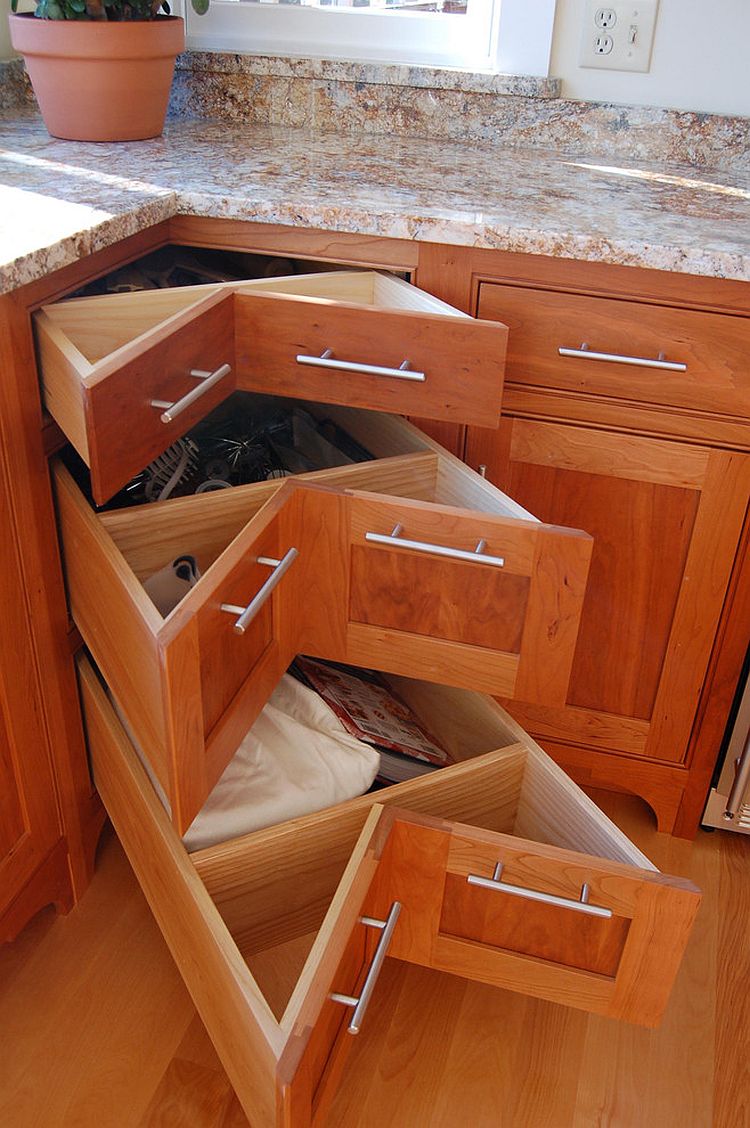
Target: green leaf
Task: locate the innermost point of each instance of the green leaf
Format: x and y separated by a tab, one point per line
200	6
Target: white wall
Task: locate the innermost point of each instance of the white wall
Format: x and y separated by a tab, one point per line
701	58
700	61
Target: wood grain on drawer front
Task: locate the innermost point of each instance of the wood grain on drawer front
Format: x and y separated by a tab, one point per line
462	360
622	966
103	404
714	348
512	620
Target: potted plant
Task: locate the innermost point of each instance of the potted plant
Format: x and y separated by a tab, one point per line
101	69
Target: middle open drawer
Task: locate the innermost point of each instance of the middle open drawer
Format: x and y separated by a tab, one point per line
408	563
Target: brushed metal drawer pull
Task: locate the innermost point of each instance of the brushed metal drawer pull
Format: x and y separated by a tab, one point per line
247	614
586	353
477	555
360	1002
210	379
580	906
326	360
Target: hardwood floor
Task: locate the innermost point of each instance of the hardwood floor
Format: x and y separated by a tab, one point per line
97	1030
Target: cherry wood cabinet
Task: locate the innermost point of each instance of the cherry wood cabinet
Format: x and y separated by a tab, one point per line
31	844
660	488
666	519
624	412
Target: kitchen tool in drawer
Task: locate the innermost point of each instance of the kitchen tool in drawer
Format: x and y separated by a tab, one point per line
385	875
125	375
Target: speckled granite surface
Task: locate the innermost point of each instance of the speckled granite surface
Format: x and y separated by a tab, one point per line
509	110
62	200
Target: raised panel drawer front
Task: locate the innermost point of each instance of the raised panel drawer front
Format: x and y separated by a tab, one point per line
280	935
465	598
124	375
306	557
630	350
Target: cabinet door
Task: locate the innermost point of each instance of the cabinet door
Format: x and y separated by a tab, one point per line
29	825
666	519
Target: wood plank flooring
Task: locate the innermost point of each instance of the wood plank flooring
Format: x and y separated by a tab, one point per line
97	1030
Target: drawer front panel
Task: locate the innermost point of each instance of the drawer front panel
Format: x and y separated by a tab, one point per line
461	361
589	933
541	931
125	431
472	600
635	344
106	404
429	596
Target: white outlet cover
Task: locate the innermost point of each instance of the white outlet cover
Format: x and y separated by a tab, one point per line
632	35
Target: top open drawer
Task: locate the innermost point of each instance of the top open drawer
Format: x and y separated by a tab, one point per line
125	375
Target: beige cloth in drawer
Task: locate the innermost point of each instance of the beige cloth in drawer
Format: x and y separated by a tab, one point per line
296	759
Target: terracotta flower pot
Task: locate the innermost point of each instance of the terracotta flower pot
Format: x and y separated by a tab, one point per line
100	81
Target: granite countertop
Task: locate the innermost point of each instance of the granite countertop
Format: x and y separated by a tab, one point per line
63	200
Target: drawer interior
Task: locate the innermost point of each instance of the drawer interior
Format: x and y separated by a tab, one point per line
97	327
405	463
273	893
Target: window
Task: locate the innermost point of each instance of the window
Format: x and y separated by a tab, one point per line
512	36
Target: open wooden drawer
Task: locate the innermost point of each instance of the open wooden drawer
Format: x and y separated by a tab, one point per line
267	928
480	597
124	375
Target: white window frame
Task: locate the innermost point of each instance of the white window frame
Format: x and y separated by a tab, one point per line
505	36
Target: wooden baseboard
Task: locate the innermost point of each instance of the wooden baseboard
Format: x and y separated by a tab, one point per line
49	884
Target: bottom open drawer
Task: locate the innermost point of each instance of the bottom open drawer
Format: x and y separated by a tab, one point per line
268	927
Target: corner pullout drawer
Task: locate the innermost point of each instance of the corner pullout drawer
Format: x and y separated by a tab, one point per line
124	375
483	597
497	868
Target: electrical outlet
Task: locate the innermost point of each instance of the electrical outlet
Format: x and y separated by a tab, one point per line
618	37
605	18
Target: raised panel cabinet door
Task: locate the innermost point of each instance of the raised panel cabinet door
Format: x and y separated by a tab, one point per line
666	519
29	823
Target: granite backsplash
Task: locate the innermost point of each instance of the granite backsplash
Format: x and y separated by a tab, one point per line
373	98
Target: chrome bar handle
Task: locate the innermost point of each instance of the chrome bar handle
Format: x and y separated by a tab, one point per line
586	353
737	795
360	1002
247	614
477	555
325	360
580	906
209	380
